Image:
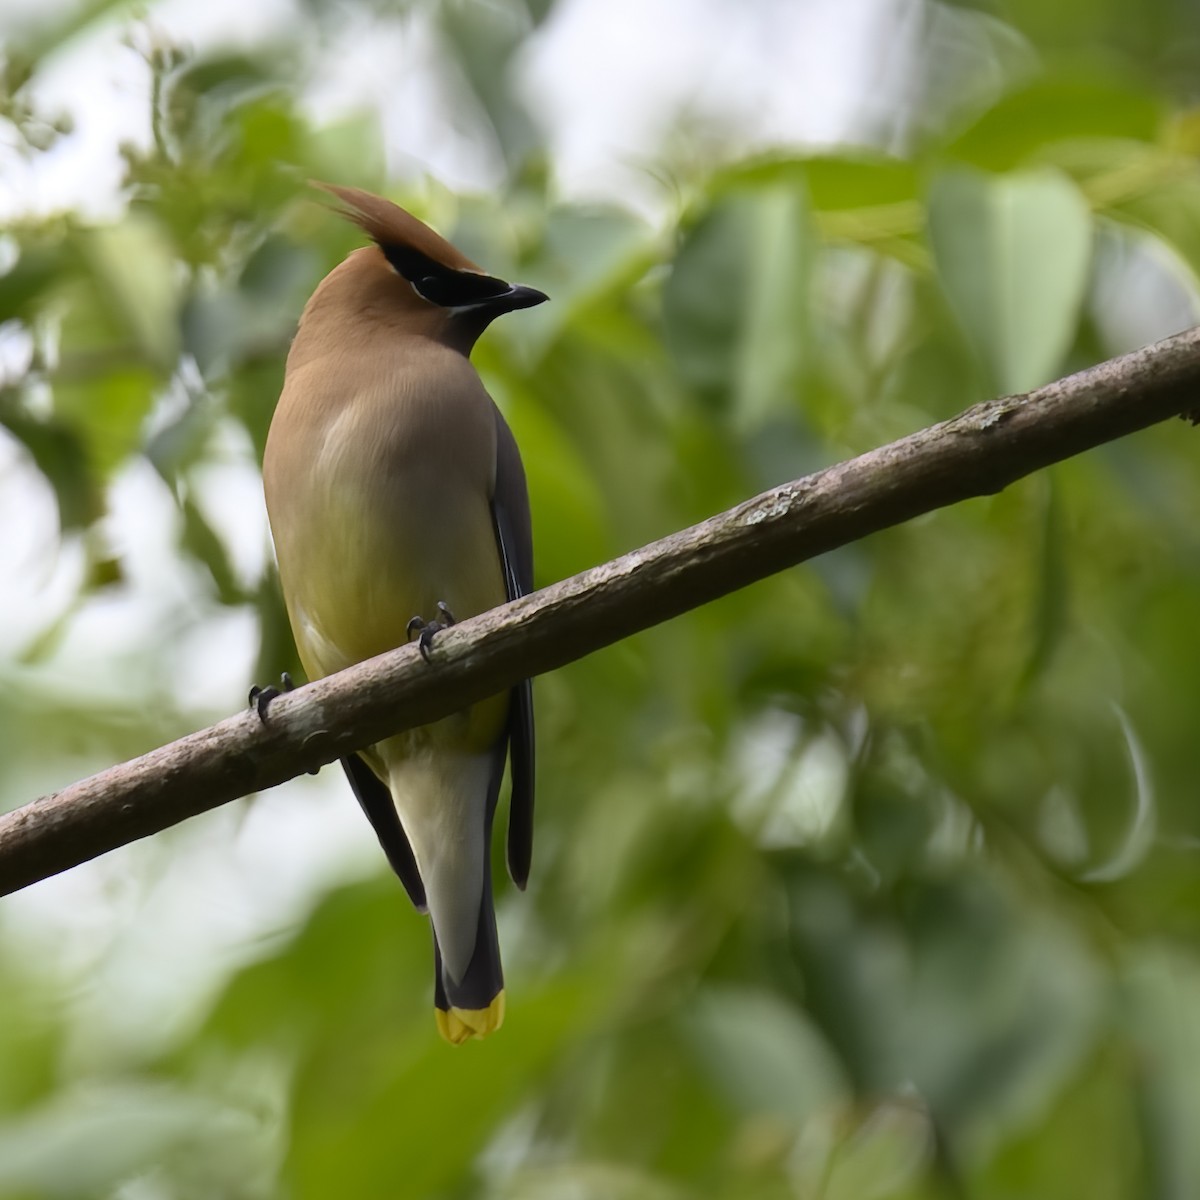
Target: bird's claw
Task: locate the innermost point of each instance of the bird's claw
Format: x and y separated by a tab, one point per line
260	698
426	629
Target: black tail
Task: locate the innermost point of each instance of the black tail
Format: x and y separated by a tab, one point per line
474	1006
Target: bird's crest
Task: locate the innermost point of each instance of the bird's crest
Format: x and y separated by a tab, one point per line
396	231
437	271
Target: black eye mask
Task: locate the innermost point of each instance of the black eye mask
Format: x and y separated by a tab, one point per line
441	285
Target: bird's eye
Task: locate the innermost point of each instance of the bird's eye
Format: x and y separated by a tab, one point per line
429	287
456	289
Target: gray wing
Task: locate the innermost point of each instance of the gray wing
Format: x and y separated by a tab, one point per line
514	537
376	802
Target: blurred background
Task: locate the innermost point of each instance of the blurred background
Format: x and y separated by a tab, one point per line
877	879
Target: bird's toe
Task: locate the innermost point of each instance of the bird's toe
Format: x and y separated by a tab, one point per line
426	630
260	697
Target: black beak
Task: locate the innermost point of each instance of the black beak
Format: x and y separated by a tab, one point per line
520	296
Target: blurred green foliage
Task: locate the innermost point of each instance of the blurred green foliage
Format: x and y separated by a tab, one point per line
877	879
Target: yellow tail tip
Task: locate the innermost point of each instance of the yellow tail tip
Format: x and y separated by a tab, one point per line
460	1024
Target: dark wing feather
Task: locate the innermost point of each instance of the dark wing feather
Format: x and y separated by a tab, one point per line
376	802
514	537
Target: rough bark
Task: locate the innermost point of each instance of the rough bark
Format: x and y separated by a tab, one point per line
976	453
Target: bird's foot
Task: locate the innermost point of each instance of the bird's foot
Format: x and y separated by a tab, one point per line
260	698
426	629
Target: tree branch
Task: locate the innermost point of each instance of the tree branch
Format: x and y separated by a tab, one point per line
976	453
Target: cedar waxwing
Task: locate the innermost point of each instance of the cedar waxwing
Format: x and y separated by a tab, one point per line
397	503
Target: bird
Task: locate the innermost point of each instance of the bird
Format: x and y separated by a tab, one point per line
398	504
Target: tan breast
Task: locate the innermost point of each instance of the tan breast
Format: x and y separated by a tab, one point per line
378	473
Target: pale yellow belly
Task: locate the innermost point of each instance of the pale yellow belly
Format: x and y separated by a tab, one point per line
362	570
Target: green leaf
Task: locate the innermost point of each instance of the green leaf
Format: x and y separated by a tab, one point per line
484	39
1054	110
84	1142
763	1053
1162	1003
35	272
134	268
570	522
735	305
1171	208
833	182
1013	253
350	148
1049	615
107	411
203	544
29	39
60	456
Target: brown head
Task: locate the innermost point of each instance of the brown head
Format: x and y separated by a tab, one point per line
412	278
